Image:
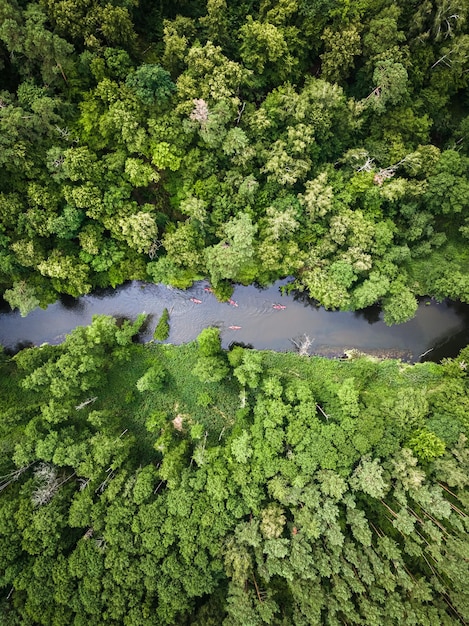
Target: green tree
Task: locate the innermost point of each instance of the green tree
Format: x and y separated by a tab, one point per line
400	305
162	328
391	85
153	379
234	253
152	84
211	364
263	43
426	445
22	296
342	47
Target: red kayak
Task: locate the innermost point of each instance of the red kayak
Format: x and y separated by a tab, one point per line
234	327
209	289
195	300
233	302
279	307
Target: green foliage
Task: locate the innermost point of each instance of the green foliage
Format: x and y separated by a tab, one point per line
341	48
400	305
152	84
230	152
239	142
162	329
153	379
227	259
329	485
23	297
210	369
211	366
209	342
426	445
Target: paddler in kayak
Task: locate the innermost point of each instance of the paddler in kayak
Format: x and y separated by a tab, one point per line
195	300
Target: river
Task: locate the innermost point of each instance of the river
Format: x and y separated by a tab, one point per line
439	329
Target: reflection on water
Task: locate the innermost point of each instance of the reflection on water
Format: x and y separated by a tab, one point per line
71	303
240	344
302	296
257	321
371	314
448	344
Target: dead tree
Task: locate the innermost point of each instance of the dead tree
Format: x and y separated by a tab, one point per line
12	476
303	345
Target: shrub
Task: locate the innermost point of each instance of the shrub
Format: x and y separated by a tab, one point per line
162	328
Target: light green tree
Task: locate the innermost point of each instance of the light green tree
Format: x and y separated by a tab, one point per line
23	297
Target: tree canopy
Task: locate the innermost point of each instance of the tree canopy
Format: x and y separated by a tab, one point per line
136	489
241	142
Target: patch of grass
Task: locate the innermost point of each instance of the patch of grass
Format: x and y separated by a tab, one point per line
213	407
180	394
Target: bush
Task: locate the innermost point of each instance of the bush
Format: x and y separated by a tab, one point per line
209	342
153	379
162	328
211	369
204	399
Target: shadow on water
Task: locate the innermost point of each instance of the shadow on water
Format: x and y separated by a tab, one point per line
240	344
147	324
461	308
438	330
371	314
105	293
449	344
302	296
21	345
71	303
4	306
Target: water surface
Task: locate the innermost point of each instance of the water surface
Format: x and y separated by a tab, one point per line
440	328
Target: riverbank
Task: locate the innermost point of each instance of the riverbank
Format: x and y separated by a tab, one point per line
254	321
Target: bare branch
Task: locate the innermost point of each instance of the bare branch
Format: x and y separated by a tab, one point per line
443	58
49	482
303	345
155	246
376	92
240	112
85	403
425	353
12	476
322	411
367	166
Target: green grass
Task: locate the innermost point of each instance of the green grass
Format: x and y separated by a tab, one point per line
214	406
182	394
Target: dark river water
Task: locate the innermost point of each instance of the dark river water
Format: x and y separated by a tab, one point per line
439	329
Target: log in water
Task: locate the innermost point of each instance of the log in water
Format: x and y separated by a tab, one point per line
263	318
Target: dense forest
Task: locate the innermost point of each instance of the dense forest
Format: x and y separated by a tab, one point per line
189	486
238	141
170	141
